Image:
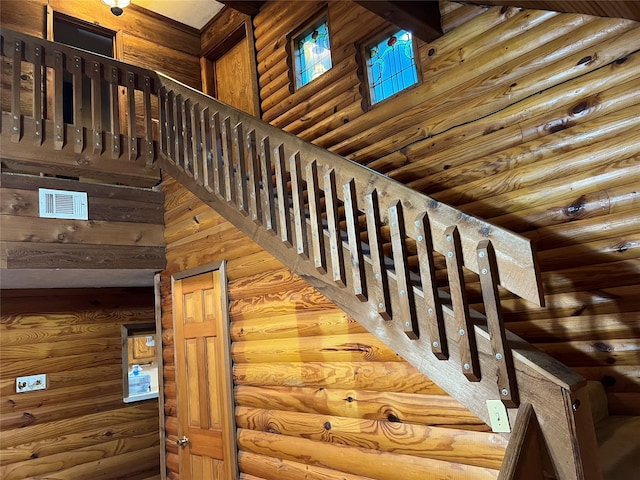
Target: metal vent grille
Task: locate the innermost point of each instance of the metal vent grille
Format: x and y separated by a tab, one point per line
63	204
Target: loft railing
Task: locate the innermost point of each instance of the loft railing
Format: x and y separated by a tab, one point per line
399	262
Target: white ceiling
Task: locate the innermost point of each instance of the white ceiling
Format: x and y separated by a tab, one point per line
195	13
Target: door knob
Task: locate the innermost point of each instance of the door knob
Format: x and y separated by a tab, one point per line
182	442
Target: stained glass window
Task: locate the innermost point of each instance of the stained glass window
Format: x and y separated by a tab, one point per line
391	66
312	53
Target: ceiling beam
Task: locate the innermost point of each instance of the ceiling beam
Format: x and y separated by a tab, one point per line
421	18
611	8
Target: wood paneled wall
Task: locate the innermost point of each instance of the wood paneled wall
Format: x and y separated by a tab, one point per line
124	230
143	38
315	393
526	118
79	427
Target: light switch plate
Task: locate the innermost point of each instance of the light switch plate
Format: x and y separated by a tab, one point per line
31	382
498	416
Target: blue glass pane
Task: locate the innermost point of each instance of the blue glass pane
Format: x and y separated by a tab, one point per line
312	54
391	66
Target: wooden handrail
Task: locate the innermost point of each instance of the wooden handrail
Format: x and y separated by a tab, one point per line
368	243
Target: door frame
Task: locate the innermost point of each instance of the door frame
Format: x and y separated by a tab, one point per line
230	443
244	30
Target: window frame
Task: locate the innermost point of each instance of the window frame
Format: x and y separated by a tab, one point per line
364	55
318	18
131	331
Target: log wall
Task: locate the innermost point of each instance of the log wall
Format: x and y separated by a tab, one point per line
79	426
124	229
315	394
526	118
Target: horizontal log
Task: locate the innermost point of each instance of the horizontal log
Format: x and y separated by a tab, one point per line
353	460
583	159
586	203
84	455
447	444
259	467
50	255
326	348
601	327
272	65
279	303
95	190
200	219
510	149
329	108
344	115
46	448
460	16
393	376
594	352
299	109
14	334
55	364
295	325
71	425
624	404
615	378
416	408
128	464
264	283
494	27
94	232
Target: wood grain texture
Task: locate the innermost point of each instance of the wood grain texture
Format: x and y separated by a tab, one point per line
78	425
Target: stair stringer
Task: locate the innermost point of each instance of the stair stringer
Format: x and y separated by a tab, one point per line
551	387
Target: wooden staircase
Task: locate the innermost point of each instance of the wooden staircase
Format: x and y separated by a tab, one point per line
396	260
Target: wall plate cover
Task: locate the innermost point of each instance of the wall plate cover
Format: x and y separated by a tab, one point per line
31	382
498	416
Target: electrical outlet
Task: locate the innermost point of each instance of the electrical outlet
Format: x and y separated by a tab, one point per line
31	382
498	416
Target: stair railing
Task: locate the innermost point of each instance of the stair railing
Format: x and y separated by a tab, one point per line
398	261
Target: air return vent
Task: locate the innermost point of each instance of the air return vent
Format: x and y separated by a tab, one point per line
63	204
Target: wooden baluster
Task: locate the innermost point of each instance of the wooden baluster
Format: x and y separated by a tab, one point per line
115	112
335	237
38	120
170	104
208	144
16	115
507	384
131	121
78	107
432	306
164	125
148	122
467	343
255	205
96	107
315	216
59	137
218	157
283	200
187	156
227	167
241	169
380	290
401	263
268	201
355	244
297	194
178	132
196	143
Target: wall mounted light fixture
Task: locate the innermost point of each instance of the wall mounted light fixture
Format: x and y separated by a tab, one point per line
117	6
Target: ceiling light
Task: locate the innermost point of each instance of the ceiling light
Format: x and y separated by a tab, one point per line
117	6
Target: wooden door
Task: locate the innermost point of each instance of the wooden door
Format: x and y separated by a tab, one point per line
229	72
205	410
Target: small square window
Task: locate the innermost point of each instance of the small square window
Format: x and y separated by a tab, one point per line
391	66
312	53
139	362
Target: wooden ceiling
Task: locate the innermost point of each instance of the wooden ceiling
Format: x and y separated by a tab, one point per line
423	17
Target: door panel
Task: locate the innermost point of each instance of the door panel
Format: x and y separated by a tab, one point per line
233	78
204	405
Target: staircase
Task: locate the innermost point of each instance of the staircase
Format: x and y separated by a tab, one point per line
399	262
